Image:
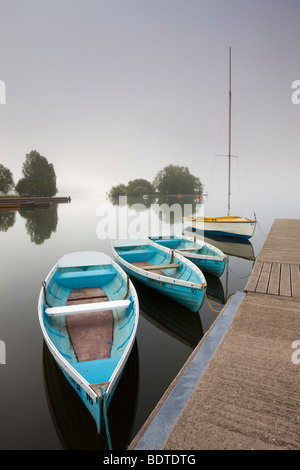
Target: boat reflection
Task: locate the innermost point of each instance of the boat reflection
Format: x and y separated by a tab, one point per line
169	316
235	249
214	290
73	423
239	248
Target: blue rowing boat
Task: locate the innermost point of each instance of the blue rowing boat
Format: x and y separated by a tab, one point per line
88	311
207	257
162	269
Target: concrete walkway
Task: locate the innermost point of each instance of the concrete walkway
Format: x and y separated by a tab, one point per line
240	387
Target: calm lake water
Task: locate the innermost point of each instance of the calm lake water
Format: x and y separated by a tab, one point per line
38	408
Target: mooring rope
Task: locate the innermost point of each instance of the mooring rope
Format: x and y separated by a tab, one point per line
216	311
106	418
263	234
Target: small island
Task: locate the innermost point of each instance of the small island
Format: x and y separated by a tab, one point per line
171	180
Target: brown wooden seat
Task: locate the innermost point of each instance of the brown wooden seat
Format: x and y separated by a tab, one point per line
157	269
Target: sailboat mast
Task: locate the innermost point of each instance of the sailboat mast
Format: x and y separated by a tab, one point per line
229	137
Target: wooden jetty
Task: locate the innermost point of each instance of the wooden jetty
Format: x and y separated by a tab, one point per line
19	202
247	395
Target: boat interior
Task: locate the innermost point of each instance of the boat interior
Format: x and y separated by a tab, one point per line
100	333
181	244
151	259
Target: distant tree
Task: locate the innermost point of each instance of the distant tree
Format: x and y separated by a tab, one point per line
116	191
134	188
6	179
140	186
175	179
39	177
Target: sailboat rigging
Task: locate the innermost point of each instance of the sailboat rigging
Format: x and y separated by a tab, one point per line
233	226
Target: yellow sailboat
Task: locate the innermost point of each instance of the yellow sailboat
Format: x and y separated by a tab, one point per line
233	226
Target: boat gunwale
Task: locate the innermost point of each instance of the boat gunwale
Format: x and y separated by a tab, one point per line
67	366
188	254
221	220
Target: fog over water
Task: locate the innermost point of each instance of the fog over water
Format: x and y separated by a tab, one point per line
110	91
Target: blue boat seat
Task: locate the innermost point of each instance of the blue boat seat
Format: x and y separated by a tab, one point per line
81	279
136	255
97	371
169	243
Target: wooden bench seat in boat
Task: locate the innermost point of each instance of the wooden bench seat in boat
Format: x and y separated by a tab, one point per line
192	248
158	268
162	266
90	307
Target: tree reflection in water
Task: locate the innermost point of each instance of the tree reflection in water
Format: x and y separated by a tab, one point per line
40	223
7	220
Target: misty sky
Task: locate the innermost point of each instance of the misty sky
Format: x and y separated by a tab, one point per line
112	90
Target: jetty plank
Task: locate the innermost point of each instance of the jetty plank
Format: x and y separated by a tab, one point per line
263	282
274	281
285	280
295	279
254	277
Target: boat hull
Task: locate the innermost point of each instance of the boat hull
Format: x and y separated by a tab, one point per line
233	227
95	408
215	268
190	297
94	379
207	257
185	285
